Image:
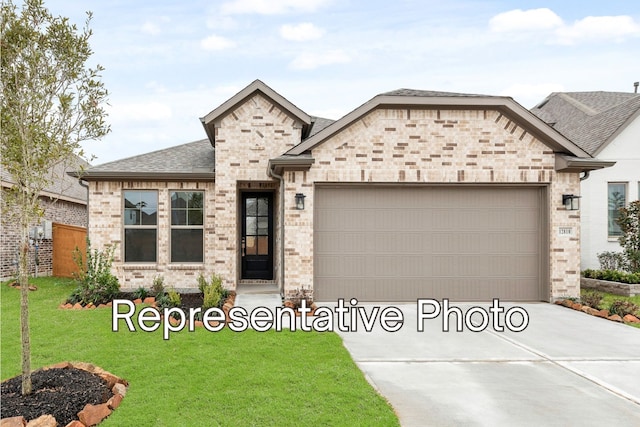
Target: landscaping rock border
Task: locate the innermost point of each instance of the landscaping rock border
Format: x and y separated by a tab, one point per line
90	415
629	318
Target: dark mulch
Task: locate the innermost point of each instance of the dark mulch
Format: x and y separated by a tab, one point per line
61	392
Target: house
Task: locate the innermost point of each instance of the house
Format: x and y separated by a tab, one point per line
607	126
412	194
65	214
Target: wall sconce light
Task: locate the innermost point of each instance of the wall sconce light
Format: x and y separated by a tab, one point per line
300	201
571	202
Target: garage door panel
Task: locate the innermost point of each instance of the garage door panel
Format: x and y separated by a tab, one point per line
400	244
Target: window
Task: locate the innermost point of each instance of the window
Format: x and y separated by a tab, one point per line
617	196
140	225
187	226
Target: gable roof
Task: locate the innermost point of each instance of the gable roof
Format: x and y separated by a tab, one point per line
407	98
590	119
211	120
194	160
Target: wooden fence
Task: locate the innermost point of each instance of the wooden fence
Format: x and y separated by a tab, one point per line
65	239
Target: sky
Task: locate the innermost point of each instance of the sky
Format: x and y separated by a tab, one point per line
168	63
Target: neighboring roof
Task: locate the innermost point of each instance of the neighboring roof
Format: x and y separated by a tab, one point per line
589	119
194	160
63	186
435	99
211	120
317	125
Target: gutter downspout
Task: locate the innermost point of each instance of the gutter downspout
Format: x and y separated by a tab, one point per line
281	179
585	176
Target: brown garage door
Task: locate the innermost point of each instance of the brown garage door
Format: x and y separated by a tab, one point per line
403	243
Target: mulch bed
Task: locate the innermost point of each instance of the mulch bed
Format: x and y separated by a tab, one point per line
58	392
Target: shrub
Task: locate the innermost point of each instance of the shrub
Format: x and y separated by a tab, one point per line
592	299
611	260
141	293
629	222
612	275
174	297
623	307
158	286
211	297
96	283
214	294
163	301
301	294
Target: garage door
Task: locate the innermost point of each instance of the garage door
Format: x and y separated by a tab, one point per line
403	243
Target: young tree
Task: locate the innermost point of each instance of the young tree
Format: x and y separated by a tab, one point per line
51	101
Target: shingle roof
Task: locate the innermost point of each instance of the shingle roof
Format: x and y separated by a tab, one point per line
429	93
589	119
62	185
318	124
192	158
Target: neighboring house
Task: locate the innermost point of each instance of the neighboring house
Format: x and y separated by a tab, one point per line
64	203
413	194
607	126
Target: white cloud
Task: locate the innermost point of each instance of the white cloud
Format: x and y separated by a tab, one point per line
141	111
599	28
150	28
271	7
525	20
309	60
214	42
546	22
301	32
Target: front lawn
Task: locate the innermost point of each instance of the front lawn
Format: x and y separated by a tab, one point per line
198	378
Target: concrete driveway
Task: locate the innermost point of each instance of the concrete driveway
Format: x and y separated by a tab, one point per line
566	368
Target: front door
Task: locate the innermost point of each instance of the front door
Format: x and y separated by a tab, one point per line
257	236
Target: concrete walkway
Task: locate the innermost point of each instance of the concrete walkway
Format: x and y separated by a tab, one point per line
252	296
566	368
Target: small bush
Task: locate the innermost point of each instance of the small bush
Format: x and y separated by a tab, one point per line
158	286
592	299
301	294
214	294
174	298
140	293
211	297
623	307
611	260
163	301
96	283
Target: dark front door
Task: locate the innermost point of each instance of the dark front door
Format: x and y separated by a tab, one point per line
257	236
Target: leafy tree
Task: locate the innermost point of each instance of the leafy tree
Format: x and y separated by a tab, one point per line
629	222
51	101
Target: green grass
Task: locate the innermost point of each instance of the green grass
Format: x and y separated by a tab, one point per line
198	378
608	299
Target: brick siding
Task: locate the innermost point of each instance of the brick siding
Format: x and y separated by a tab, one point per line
60	211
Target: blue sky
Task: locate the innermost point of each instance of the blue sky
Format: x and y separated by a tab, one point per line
168	63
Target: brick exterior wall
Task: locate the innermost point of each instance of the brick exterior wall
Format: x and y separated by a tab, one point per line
435	146
60	211
388	145
106	228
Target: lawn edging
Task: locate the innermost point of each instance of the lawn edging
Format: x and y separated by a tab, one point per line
617	288
629	318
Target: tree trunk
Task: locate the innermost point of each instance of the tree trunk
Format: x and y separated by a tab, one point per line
23	278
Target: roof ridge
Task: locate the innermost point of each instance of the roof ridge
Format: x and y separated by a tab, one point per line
579	105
